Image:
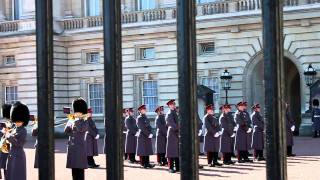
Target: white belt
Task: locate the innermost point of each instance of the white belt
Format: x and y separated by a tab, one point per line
316	116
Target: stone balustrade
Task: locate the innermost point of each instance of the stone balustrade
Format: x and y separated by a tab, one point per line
168	13
17	26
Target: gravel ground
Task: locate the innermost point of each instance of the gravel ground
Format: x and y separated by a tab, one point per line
305	166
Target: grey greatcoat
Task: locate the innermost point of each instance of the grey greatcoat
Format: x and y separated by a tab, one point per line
258	131
124	133
316	119
211	143
227	126
35	134
77	151
3	157
92	143
16	165
172	147
289	123
241	135
144	143
131	139
249	123
161	136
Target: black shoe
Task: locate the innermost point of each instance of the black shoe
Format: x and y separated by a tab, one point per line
248	160
241	161
200	167
132	162
216	164
211	165
231	162
150	165
261	159
291	155
172	171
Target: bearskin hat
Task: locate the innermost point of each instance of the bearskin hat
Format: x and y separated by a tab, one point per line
6	110
79	105
315	102
20	112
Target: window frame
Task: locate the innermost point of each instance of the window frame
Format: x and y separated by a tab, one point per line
89	55
141	53
203	53
88	6
5	58
6	91
139	8
150	111
103	98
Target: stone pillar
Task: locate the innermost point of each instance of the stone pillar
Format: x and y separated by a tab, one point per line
68	9
58	9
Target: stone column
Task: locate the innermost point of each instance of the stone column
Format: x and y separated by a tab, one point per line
68	9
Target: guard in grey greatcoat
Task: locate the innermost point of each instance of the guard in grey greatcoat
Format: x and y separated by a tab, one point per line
290	127
76	130
212	135
227	127
161	137
34	133
316	118
258	133
16	164
144	143
131	139
249	124
172	147
124	132
241	144
6	118
92	137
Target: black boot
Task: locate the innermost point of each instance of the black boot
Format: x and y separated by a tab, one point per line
315	135
215	159
177	164
171	165
289	152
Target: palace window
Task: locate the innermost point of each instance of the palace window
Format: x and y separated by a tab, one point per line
11	94
213	84
206	48
16	9
146	4
206	1
96	98
150	94
93	57
9	60
147	53
93	8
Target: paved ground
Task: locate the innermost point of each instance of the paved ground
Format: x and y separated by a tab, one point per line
305	166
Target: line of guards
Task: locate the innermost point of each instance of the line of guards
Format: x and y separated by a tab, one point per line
239	132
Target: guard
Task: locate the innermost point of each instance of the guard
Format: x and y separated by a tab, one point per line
258	133
161	136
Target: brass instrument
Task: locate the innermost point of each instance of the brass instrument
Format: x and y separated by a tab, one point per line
4	143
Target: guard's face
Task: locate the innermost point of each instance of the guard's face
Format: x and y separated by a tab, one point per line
130	113
172	106
143	111
258	109
210	111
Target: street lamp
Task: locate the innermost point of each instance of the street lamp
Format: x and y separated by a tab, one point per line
310	76
226	82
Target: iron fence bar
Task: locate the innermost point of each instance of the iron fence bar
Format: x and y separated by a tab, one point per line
113	88
272	17
44	48
187	70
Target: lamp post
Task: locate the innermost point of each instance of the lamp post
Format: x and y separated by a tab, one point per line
310	77
226	82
